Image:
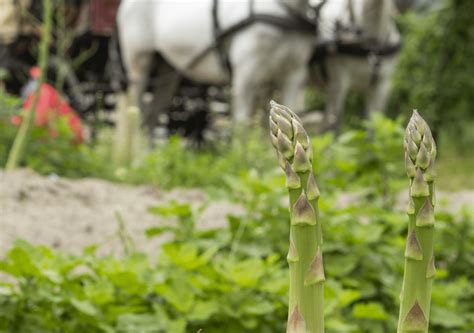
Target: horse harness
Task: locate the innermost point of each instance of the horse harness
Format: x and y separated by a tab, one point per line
305	22
373	51
295	21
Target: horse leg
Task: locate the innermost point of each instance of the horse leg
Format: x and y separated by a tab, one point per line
292	87
165	86
138	68
337	89
377	97
244	95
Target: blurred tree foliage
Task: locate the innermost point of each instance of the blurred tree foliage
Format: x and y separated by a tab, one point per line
436	72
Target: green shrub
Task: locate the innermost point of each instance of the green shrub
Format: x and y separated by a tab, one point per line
435	71
235	278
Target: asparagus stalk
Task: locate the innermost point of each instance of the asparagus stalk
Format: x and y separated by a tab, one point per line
305	314
415	298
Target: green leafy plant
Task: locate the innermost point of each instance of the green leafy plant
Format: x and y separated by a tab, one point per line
46	153
441	78
48	291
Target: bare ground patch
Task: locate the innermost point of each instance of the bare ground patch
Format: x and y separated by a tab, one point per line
72	214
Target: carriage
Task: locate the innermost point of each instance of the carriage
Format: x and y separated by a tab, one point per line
87	67
80	64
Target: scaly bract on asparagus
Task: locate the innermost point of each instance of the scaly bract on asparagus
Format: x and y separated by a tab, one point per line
415	298
306	314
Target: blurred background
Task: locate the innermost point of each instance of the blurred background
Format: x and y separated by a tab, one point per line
164	213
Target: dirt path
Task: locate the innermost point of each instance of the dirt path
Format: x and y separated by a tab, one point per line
71	214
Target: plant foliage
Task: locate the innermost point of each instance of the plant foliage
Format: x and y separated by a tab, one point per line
234	279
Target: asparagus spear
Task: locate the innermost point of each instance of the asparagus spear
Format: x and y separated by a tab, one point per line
420	154
305	258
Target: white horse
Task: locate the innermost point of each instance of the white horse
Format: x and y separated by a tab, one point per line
370	57
260	54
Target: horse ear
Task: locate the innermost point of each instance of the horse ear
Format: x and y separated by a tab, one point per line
404	5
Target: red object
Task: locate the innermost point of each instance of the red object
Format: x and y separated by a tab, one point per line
102	13
35	72
51	106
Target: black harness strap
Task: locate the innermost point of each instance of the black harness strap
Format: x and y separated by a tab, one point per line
359	50
285	23
373	51
364	50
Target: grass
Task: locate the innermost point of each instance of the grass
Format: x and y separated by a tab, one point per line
455	165
455	171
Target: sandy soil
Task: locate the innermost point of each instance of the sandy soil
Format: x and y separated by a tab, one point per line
71	214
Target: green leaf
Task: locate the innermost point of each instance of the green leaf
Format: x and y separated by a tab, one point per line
21	261
203	310
338	325
6	291
348	296
340	264
85	307
172	209
250	323
446	317
369	311
258	307
184	255
177	326
100	292
146	323
178	293
156	231
128	281
245	273
52	276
